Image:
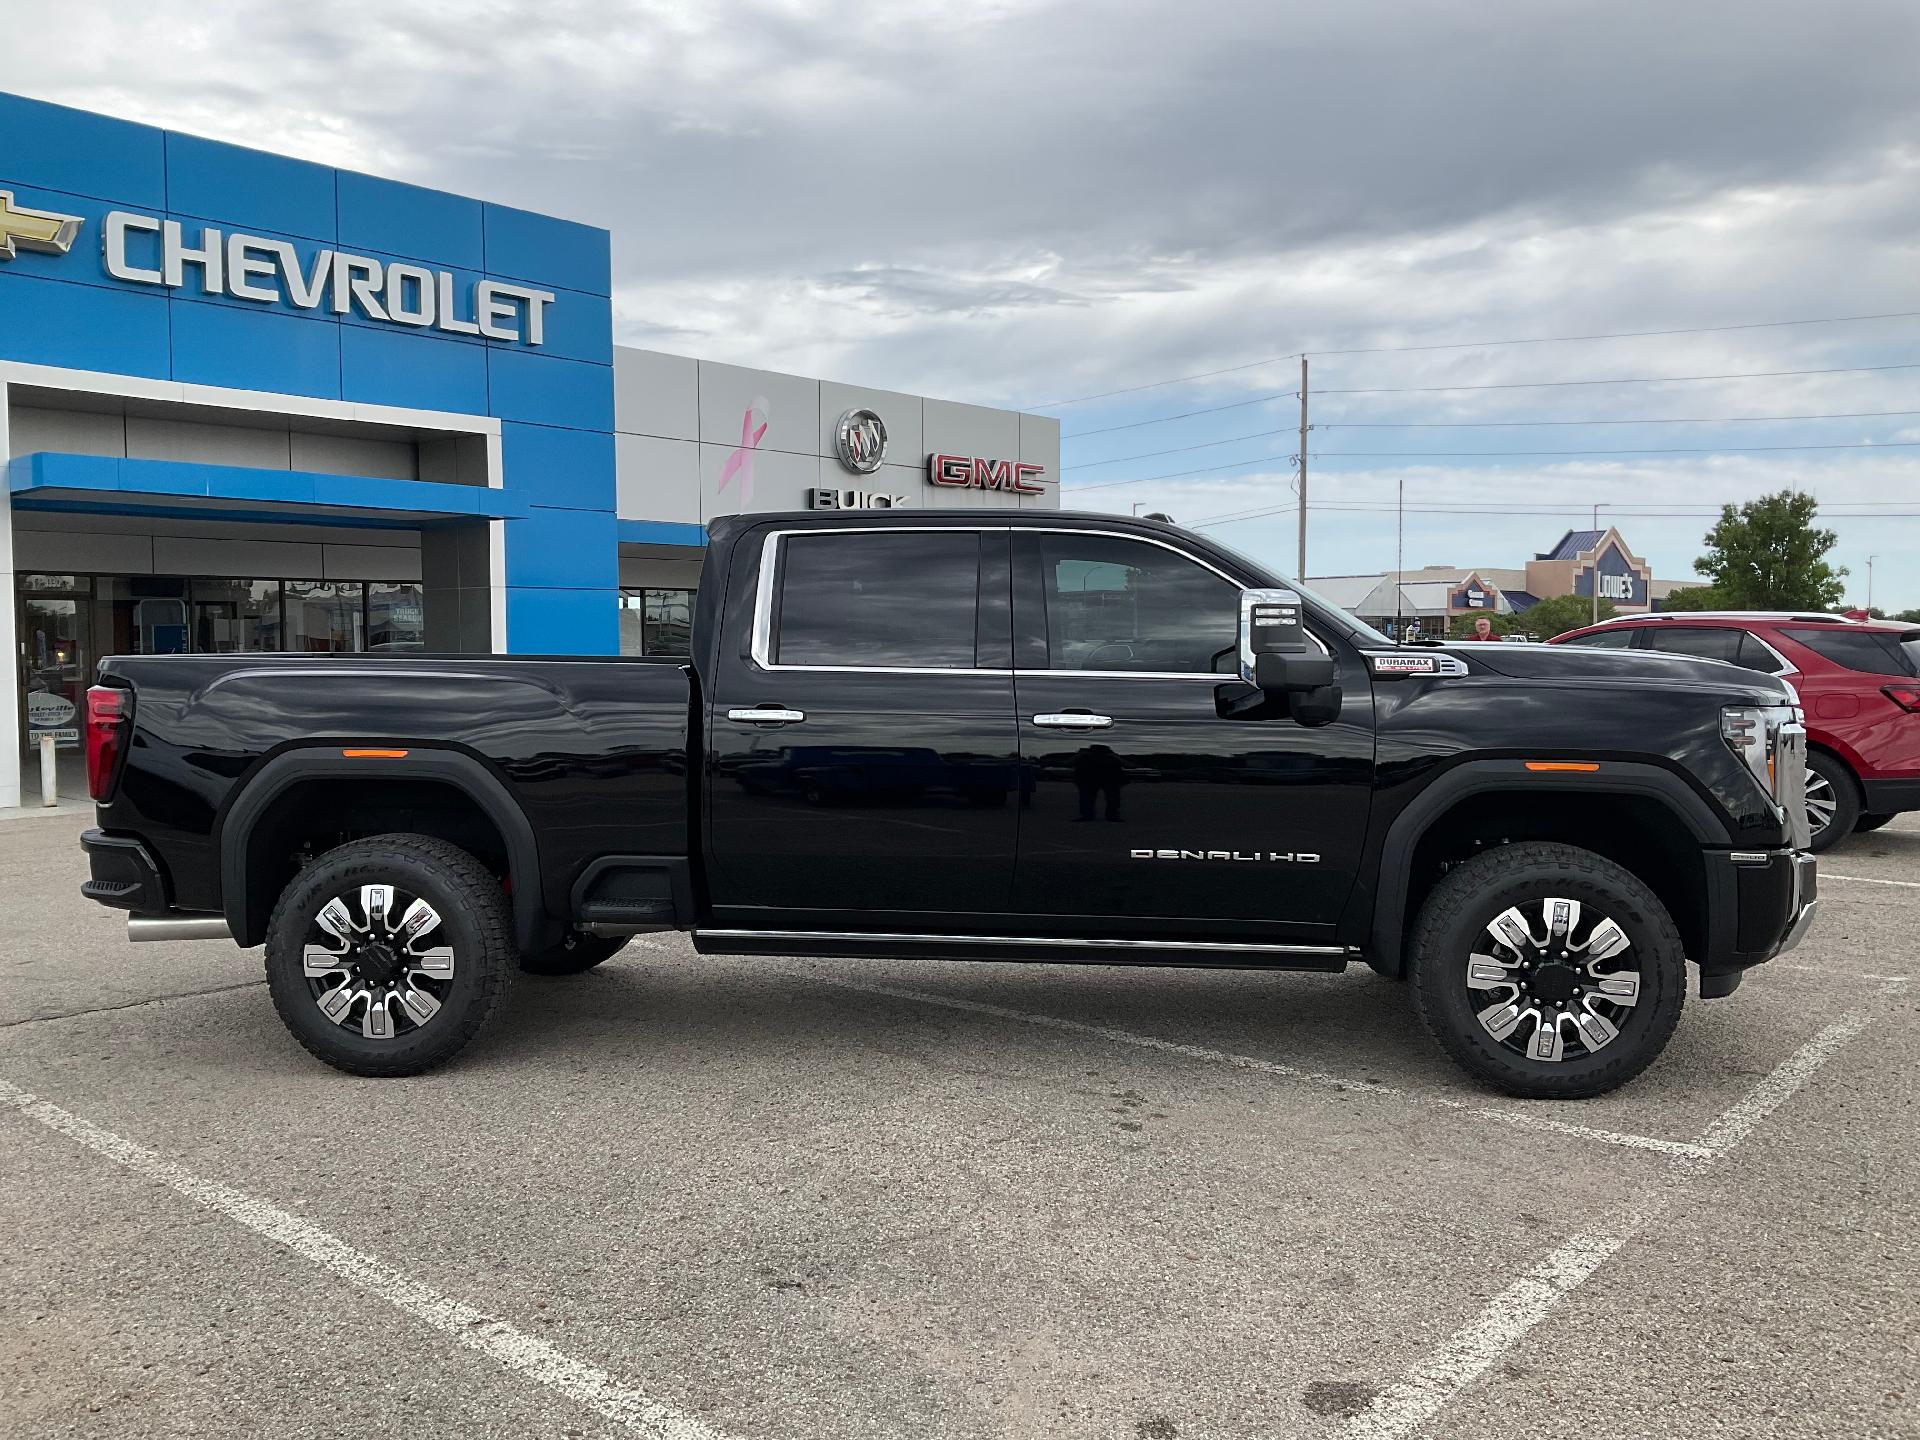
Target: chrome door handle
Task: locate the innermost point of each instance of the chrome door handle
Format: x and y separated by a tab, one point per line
1074	721
766	716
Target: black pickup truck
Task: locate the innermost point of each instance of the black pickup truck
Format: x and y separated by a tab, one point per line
1024	736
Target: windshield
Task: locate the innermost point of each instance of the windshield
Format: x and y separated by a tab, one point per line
1362	632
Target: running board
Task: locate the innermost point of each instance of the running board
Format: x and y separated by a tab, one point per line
1058	949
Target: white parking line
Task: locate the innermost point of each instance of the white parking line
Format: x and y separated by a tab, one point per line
1677	1148
1869	880
1508	1318
496	1339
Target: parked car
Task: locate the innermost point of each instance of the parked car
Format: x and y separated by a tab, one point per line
1859	683
962	734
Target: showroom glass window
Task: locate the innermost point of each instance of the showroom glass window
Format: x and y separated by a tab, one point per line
902	599
656	622
326	615
396	616
1128	606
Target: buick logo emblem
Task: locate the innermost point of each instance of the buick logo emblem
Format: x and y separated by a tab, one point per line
860	439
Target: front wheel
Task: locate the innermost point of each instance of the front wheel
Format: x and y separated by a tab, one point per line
386	956
1547	971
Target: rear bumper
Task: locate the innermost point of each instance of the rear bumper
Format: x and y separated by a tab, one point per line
1762	903
124	873
1889	797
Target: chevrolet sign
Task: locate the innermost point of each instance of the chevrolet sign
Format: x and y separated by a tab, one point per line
248	267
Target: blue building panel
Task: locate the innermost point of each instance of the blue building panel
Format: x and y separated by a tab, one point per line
444	229
84	327
543	250
255	350
579	326
55	148
563	622
250	190
564	549
381	366
523	385
552	466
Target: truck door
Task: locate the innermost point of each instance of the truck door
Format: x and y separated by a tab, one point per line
863	756
1152	798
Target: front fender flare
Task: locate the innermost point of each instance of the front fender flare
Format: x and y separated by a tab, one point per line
1385	944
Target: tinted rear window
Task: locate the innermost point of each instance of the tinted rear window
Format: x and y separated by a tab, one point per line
892	598
1603	640
1706	642
1872	652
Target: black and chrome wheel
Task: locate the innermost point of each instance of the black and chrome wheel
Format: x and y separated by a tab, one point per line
1547	971
1833	800
385	956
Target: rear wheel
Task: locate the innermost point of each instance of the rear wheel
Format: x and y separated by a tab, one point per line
387	955
574	954
1833	800
1547	971
1869	822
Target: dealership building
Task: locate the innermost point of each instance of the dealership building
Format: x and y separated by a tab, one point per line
255	403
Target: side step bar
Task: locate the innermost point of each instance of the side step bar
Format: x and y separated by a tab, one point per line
1095	951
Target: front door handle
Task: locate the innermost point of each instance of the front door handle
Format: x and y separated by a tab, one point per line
1074	720
766	715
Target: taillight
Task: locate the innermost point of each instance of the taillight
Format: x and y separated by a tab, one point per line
1907	697
109	718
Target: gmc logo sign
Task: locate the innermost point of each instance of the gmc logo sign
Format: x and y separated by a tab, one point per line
970	472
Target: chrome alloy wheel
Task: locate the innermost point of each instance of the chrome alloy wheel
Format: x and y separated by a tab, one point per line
364	966
1822	803
1574	979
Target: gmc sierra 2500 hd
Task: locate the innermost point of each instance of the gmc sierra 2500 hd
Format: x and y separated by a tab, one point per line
1027	736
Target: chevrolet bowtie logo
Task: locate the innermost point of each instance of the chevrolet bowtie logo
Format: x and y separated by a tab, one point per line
34	229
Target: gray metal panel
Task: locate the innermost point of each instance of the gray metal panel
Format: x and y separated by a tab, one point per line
903	416
792	413
66	432
355	455
656	394
657	479
64	551
780	482
956	429
150	439
244	559
370	562
641	571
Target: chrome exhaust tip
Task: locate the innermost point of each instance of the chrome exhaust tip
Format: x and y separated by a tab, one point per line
178	927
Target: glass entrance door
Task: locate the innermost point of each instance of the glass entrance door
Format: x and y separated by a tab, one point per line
55	667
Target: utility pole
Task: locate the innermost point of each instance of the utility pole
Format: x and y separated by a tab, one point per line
1300	570
1593	573
1870	560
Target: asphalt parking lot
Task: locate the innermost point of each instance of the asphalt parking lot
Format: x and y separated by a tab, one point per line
691	1198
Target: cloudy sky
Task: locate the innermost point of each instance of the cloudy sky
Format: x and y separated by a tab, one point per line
1029	203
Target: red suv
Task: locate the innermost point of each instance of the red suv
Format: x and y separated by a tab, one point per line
1859	682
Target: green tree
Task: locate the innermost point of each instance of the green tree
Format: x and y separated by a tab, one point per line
1698	597
1766	555
1909	617
1559	615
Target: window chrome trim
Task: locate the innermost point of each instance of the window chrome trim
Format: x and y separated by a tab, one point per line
761	646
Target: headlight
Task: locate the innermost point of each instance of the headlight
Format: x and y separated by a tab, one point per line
1753	732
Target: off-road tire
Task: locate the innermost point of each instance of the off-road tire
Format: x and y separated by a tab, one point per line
573	955
1846	800
476	923
1869	822
1452	925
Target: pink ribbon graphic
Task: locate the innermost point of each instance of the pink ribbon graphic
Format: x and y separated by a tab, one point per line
740	462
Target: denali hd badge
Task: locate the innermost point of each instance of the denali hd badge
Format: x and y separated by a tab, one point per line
1287	857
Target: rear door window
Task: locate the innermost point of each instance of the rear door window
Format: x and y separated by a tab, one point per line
1603	640
1756	654
1707	642
1872	652
879	599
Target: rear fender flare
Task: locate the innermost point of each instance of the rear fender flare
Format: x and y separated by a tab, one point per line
1384	949
233	832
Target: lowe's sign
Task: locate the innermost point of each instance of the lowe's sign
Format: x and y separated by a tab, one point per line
146	250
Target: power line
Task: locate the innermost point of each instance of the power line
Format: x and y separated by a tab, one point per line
1182	449
1663	420
1649	450
1569	511
1484	344
1626	380
1176	475
1186	414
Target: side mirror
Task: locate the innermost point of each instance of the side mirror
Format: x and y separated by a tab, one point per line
1275	653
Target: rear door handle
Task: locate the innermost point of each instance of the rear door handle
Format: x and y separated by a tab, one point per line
766	715
1074	720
